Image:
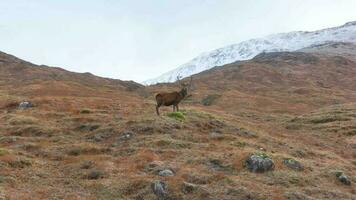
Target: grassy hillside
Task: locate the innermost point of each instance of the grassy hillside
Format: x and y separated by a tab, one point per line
93	138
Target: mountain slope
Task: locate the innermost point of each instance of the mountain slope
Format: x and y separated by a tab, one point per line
86	134
344	49
248	49
23	74
276	82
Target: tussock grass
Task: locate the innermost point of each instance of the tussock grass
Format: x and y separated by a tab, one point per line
22	120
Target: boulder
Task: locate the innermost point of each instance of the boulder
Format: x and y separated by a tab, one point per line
343	178
166	172
25	105
159	188
259	163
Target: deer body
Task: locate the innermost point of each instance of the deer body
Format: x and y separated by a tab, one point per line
170	99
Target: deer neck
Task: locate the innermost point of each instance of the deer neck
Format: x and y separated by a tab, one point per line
182	93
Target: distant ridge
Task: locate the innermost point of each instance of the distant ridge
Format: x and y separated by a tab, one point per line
248	49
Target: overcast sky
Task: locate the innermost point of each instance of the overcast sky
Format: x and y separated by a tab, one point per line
141	39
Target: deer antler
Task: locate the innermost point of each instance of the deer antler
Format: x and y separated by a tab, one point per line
179	81
190	83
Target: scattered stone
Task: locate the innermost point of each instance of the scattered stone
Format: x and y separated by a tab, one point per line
215	164
246	133
216	123
259	162
87	164
25	105
20	163
293	164
125	136
87	127
242	193
343	178
102	135
159	168
95	174
216	135
74	151
296	195
154	166
189	187
166	172
159	188
8	139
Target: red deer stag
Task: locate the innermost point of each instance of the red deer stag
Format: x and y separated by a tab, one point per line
173	98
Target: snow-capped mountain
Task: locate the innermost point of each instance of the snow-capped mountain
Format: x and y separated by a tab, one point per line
248	49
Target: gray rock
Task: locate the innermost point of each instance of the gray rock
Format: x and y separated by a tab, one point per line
259	163
125	136
95	174
25	105
216	135
343	178
166	172
87	164
293	164
159	188
188	187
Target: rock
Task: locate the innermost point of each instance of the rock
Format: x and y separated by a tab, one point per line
159	168
215	165
159	188
87	164
242	193
124	137
188	187
166	172
246	133
101	134
216	135
293	164
25	105
343	178
20	163
95	174
259	163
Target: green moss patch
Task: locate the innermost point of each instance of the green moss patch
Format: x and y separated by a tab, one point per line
176	115
3	152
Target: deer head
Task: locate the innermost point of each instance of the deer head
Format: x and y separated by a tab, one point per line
185	88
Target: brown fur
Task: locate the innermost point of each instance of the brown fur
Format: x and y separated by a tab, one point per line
169	99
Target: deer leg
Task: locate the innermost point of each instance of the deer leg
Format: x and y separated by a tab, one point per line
177	108
174	108
157	109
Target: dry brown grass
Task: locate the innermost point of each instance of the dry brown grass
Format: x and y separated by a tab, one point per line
73	144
